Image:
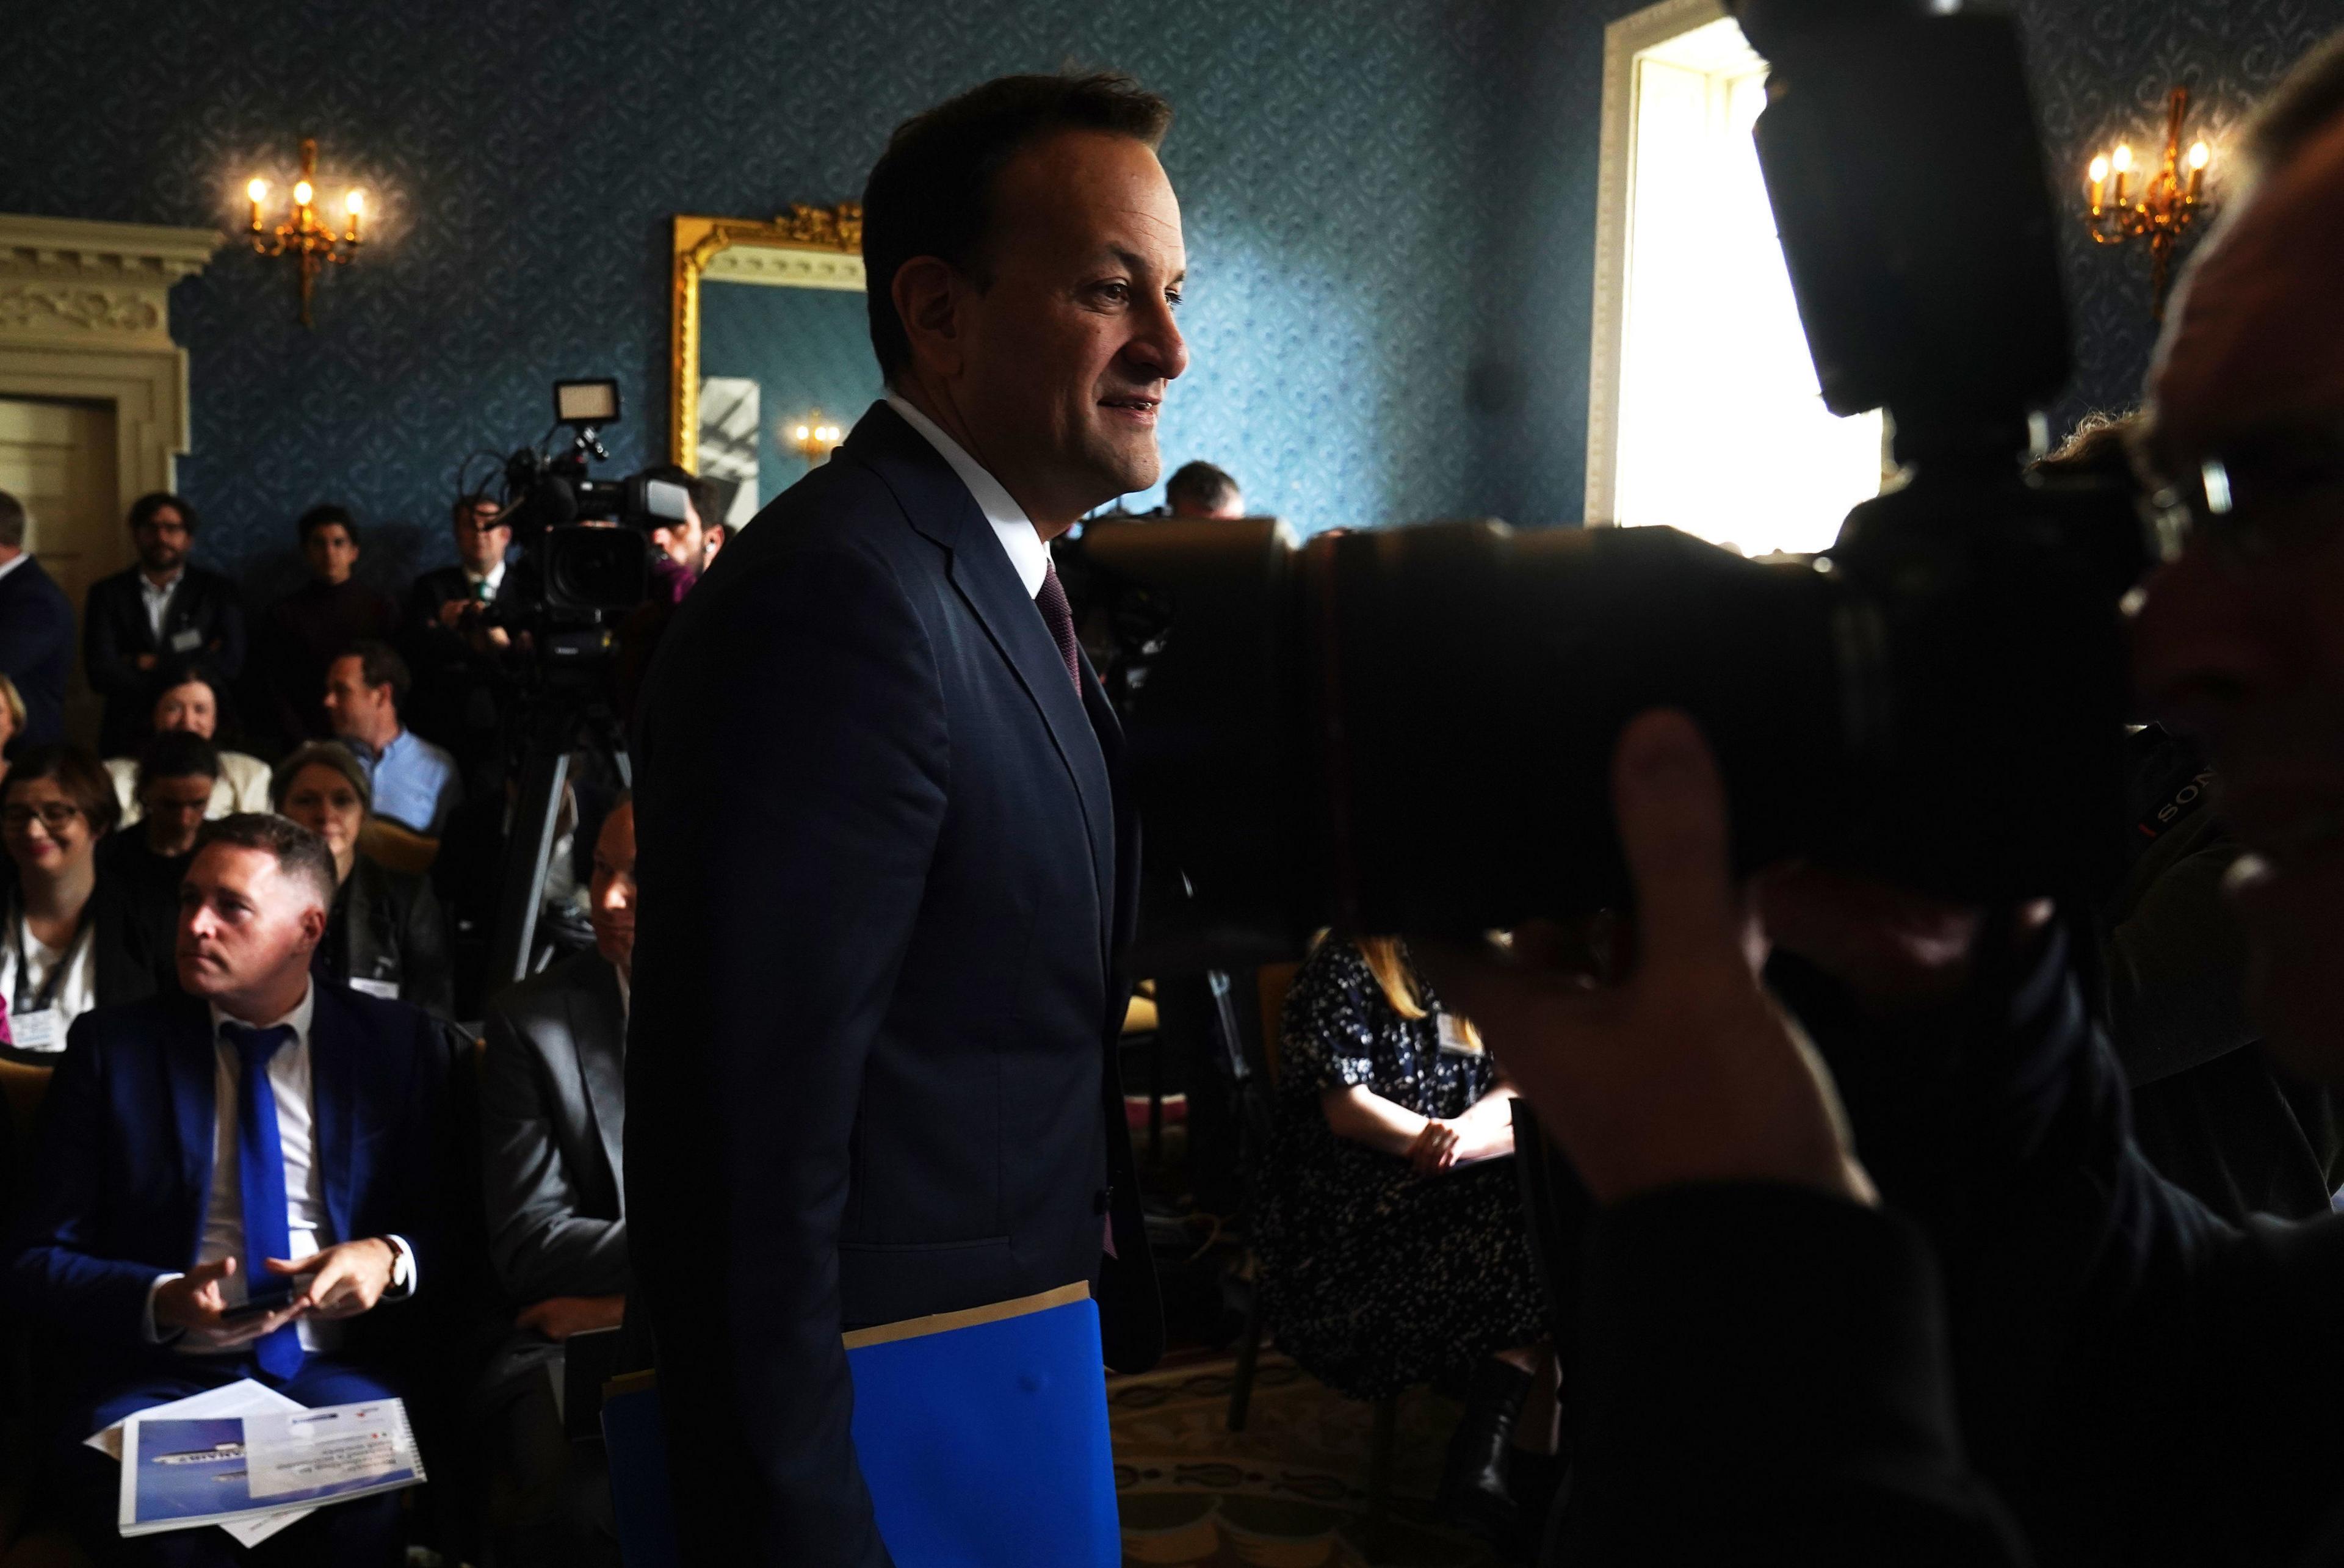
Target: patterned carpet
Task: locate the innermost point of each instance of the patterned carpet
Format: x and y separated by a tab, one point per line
1288	1492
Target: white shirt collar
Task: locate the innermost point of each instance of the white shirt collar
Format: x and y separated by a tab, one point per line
298	1018
493	577
23	556
160	589
1028	551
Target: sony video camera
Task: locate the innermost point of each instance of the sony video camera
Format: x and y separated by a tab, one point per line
1412	729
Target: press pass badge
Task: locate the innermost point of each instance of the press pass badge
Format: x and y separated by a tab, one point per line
1453	1037
387	989
35	1031
187	641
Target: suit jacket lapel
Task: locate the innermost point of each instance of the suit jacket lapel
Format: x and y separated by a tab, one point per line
191	1066
602	1067
333	1092
941	507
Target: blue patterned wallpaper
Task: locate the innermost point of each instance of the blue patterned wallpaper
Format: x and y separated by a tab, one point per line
2101	69
807	349
525	158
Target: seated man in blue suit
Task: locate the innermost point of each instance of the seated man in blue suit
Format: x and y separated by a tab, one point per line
261	1137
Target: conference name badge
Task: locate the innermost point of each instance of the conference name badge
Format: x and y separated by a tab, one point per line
1453	1037
187	641
35	1031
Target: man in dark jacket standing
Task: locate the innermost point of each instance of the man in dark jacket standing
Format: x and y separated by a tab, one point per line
876	992
161	613
35	630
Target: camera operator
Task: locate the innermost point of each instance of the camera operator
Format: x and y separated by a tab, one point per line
1770	1359
452	644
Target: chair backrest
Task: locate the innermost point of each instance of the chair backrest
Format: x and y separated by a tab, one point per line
399	847
24	1085
1275	980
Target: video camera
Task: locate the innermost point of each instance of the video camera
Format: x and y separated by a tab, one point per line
1412	729
586	574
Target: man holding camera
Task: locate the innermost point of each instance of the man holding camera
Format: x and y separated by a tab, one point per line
2138	1382
876	992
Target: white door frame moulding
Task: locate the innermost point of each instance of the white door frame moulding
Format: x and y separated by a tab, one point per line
85	314
1615	177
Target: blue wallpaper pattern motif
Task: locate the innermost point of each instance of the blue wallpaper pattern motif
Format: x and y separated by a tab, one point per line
525	158
806	349
1390	214
2100	68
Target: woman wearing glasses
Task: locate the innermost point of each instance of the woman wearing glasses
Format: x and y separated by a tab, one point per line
69	941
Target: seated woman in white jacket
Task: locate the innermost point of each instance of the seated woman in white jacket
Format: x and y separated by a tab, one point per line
189	701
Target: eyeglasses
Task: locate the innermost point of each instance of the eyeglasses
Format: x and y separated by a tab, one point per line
2263	497
56	816
180	530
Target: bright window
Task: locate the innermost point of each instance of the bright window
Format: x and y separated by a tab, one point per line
1720	428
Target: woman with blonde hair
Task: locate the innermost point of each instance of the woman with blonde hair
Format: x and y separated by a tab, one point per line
1394	1247
12	721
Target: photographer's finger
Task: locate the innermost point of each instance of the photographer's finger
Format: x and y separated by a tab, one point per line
1671	808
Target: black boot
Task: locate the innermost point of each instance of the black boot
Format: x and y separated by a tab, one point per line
1473	1488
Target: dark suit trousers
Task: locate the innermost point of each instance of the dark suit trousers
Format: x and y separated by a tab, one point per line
363	1532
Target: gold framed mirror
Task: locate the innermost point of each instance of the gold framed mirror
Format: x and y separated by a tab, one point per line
772	358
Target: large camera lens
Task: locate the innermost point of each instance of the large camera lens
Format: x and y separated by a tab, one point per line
1412	728
591	571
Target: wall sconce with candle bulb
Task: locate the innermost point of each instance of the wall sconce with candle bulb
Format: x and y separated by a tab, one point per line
813	438
2166	204
310	240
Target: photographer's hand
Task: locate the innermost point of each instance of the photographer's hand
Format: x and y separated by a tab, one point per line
1685	1072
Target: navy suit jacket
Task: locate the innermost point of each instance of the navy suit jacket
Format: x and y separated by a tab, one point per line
887	879
120	1181
36	634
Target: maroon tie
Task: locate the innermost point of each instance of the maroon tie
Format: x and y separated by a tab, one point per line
1059	617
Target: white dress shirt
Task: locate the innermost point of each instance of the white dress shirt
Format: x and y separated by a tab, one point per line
158	600
1028	551
484	585
305	1177
14	561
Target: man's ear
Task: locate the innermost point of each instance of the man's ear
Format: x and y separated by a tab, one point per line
927	296
314	921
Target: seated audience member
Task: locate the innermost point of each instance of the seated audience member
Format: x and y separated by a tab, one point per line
552	1115
70	939
1200	489
161	612
1391	1238
385	934
12	722
314	1115
2054	1355
189	701
456	657
147	859
415	783
36	622
310	628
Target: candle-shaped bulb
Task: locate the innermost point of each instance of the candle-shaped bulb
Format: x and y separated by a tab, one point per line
805	433
257	190
302	193
2123	161
356	202
2099	170
2200	154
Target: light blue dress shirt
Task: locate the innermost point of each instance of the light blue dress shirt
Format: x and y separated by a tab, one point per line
415	783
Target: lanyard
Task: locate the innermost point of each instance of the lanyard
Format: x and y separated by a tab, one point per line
20	939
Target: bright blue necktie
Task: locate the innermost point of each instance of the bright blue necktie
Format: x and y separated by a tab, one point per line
260	1181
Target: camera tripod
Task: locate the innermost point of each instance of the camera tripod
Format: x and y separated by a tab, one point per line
552	726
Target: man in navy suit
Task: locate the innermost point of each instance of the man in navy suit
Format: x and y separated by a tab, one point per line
888	874
260	1137
37	629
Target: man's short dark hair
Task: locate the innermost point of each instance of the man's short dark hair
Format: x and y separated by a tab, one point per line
1202	486
319	517
299	853
176	754
78	772
931	192
380	666
143	509
702	493
13	519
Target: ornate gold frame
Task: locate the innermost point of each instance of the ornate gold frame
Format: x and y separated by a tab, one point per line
806	247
